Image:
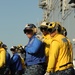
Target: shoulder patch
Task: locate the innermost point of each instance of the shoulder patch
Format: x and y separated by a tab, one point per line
64	40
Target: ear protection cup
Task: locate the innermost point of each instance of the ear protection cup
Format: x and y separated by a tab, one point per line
1	43
35	30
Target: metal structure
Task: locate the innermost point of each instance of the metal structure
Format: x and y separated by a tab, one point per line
45	5
50	6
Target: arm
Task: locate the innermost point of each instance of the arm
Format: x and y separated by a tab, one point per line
2	57
33	48
47	41
54	50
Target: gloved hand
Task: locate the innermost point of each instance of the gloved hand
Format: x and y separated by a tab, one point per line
47	73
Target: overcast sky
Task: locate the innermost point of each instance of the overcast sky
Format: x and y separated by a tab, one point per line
14	14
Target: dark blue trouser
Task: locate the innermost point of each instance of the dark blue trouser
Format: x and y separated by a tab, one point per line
2	70
69	71
16	73
34	70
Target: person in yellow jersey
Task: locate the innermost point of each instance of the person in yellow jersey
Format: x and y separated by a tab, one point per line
64	32
59	62
2	59
45	38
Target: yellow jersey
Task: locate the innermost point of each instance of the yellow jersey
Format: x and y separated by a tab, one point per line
59	54
47	40
2	57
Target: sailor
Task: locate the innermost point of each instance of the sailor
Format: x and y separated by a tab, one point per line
35	56
2	59
64	33
45	38
59	62
20	51
7	65
15	64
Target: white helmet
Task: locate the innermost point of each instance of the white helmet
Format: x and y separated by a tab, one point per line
44	24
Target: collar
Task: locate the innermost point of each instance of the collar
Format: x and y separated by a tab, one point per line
46	35
14	53
32	37
56	35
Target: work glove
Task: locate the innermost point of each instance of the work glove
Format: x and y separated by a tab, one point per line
47	73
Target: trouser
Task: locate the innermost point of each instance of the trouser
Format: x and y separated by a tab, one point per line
7	71
1	74
16	73
69	71
35	70
2	70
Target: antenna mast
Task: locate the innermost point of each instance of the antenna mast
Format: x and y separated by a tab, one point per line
45	5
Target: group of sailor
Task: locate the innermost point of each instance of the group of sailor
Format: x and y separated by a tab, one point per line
50	53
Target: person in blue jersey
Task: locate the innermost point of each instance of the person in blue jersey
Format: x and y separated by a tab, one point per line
15	63
35	52
7	71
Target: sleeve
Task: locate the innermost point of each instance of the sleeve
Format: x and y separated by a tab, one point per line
47	41
54	50
71	50
34	47
15	58
8	56
2	57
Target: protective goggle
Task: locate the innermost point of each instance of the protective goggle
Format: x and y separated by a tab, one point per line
27	31
12	49
43	29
